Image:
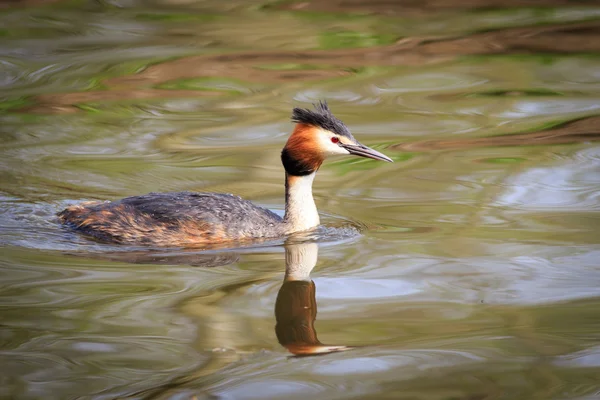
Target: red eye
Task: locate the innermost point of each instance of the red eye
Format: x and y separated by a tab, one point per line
334	140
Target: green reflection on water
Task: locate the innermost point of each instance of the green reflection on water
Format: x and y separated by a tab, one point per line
175	17
350	39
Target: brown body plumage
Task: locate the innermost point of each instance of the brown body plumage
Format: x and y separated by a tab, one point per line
180	219
123	225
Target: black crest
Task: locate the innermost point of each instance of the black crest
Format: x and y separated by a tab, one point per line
322	117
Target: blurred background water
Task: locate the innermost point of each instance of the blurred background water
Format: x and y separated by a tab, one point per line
468	269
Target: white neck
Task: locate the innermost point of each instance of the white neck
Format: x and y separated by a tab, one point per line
300	259
300	209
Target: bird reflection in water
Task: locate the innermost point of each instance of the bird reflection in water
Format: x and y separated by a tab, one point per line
295	313
296	304
295	307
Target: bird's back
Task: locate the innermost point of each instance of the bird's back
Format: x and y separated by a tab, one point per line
173	219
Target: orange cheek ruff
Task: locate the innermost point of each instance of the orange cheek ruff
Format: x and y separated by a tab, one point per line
304	147
121	224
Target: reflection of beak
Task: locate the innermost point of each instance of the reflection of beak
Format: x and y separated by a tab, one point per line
313	350
364	151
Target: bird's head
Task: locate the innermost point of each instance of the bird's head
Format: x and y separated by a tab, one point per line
317	135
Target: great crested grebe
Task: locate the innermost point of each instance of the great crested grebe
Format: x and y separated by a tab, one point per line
184	219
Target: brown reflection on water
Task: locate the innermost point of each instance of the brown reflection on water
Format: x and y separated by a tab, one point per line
582	130
237	66
412	51
296	304
562	38
387	7
567	38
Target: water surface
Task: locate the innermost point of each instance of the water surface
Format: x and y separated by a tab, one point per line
467	269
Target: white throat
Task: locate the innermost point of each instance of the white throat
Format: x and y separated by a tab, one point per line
300	209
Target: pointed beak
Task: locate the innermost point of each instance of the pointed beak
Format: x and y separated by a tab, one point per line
364	151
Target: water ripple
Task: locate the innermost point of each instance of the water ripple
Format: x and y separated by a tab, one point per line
569	185
467	269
